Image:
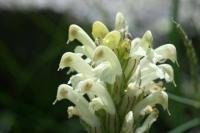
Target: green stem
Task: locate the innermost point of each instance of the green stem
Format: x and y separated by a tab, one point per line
188	125
183	100
191	55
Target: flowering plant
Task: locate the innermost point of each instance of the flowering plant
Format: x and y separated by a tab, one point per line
119	80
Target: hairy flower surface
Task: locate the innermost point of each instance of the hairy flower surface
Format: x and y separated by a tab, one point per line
119	79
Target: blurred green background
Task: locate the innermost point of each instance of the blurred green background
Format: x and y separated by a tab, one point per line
33	38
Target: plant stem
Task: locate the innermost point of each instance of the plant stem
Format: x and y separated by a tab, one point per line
193	123
184	100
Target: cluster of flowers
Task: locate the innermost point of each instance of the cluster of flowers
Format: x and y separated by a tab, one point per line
119	80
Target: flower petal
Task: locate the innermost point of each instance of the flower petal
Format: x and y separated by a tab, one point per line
76	32
112	39
103	71
90	86
76	62
136	50
150	73
99	30
82	106
147	40
75	79
72	111
133	90
159	97
139	46
148	122
167	51
96	104
147	72
128	123
168	72
103	53
82	50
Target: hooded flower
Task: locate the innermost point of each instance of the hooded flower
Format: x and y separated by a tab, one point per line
119	79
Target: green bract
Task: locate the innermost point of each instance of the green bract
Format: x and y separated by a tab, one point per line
120	82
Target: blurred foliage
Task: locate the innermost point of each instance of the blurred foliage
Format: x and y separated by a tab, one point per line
31	44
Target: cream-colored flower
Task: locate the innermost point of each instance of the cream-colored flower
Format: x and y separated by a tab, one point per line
148	122
89	86
76	32
81	104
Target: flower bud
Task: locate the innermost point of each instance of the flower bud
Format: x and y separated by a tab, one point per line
119	21
99	30
112	39
147	40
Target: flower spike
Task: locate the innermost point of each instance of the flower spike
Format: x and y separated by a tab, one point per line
119	79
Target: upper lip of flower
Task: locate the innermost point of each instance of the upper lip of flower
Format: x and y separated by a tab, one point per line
82	106
76	62
76	32
90	86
